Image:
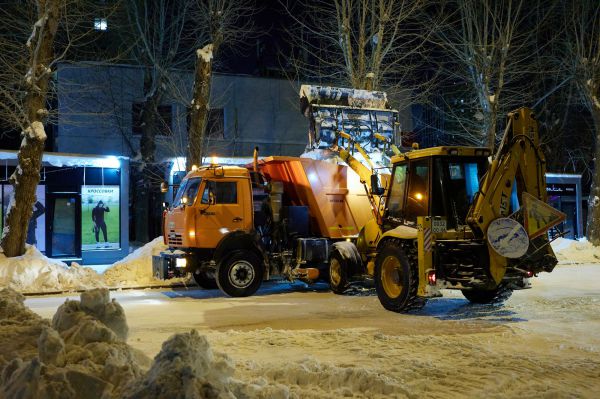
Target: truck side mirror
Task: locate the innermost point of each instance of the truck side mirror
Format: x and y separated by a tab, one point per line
375	188
164	187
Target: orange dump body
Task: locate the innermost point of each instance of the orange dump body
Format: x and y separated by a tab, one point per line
337	202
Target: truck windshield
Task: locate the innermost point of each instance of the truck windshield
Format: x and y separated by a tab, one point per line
187	192
457	181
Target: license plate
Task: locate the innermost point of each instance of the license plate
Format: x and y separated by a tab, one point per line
438	226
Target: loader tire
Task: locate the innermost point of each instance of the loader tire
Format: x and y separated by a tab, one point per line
338	273
240	274
496	296
396	280
204	280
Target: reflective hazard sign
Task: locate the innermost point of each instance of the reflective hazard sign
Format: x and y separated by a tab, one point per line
538	216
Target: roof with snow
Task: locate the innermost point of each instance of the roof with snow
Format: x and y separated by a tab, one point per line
68	160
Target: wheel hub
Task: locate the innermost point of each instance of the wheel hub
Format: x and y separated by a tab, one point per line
391	276
241	274
335	272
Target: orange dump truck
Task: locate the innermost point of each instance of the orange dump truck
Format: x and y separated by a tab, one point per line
234	227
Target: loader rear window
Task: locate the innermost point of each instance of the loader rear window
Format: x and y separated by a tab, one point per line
456	182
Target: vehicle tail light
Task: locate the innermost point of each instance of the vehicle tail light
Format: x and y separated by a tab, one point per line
431	279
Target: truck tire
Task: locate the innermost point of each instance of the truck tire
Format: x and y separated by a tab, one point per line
338	273
396	280
497	296
204	280
240	274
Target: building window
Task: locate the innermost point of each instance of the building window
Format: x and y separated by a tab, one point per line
163	123
100	24
215	125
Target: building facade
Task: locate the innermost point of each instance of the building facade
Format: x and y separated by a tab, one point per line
99	106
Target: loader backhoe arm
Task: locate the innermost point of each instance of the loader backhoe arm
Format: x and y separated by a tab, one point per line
363	172
519	160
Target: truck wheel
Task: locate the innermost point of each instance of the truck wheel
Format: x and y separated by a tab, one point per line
498	295
338	273
205	280
396	281
240	274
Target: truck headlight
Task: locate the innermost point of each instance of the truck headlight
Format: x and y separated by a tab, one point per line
180	262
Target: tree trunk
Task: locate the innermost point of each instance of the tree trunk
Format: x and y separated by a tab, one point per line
200	106
593	220
146	179
27	175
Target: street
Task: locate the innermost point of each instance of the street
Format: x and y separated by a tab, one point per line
542	343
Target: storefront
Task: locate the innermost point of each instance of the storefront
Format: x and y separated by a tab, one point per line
81	211
564	194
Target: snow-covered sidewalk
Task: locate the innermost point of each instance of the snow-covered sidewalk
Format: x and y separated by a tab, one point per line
35	273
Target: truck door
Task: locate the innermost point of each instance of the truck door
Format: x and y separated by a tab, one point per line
222	210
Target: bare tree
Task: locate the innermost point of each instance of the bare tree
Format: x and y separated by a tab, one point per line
226	23
30	114
581	62
489	51
365	44
35	36
166	35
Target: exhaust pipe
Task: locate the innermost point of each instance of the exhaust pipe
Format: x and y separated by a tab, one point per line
255	160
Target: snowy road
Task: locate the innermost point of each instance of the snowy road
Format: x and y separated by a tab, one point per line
544	342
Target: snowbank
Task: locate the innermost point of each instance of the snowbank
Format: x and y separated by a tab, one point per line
34	272
135	270
84	354
574	252
81	354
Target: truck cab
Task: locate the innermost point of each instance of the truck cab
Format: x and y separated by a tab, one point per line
210	203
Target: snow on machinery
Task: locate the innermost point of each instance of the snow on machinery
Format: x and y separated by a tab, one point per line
449	223
233	227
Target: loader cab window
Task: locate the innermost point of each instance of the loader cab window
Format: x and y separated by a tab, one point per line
417	201
396	198
186	195
456	182
220	193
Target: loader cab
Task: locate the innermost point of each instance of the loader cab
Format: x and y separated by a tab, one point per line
438	181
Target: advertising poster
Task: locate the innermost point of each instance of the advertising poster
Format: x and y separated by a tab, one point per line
100	227
36	232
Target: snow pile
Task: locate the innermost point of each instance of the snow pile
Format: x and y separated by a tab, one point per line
135	270
187	364
573	251
34	272
83	354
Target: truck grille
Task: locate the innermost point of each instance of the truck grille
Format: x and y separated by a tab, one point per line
175	239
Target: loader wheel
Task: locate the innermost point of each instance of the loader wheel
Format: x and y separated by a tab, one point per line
396	281
205	280
240	274
497	296
338	273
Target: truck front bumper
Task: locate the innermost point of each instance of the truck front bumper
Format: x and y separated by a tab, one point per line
171	264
